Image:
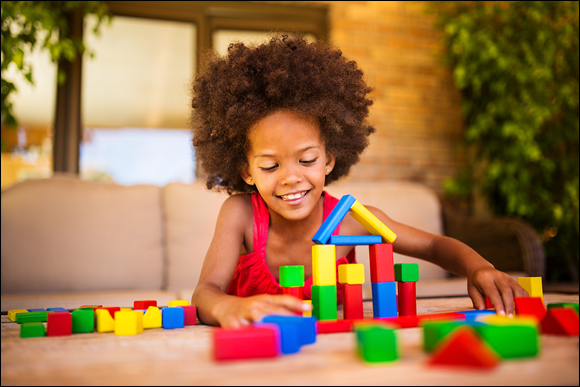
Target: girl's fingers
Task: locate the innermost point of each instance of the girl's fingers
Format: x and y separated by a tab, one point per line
507	296
289	302
476	297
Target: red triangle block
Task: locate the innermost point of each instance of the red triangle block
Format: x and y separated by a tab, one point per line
464	348
560	321
530	306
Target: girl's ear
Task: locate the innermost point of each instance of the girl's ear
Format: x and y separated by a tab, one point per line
246	176
330	160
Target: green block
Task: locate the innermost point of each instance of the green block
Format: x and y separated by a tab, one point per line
511	341
564	305
291	276
434	331
32	329
376	343
28	317
324	302
406	272
83	321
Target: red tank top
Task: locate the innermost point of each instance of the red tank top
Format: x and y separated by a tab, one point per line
252	275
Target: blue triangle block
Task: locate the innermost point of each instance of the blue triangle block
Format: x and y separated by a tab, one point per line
334	218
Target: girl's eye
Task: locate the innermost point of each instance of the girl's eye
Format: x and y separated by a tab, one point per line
308	162
269	169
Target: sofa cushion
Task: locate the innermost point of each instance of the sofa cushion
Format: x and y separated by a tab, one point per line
64	234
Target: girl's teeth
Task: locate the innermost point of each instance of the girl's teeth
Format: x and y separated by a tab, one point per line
292	197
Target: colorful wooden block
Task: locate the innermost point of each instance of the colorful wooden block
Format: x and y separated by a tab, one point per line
152	318
515	340
488	303
474	315
291	276
406	272
178	303
36	310
128	323
324	302
57	310
533	285
384	299
416	321
371	222
295	291
144	304
91	307
173	317
333	219
352	274
323	265
334	326
83	321
294	331
32	329
381	263
353	302
105	322
23	317
110	309
12	313
376	343
189	315
246	343
59	324
355	240
573	305
560	321
435	331
407	293
530	306
309	312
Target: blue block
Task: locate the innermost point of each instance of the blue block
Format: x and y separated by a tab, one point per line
334	218
36	310
304	327
58	309
384	299
355	240
471	315
173	317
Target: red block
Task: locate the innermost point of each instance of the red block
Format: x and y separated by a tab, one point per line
407	298
382	264
59	324
415	321
190	314
334	326
560	321
464	348
530	306
111	309
488	304
245	343
353	302
144	304
295	291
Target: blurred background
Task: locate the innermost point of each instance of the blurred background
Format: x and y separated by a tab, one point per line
478	101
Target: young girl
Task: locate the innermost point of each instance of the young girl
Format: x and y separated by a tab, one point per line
273	125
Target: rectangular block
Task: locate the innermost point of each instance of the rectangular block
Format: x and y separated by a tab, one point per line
384	299
333	219
297	292
324	302
416	321
12	313
173	317
352	273
57	310
511	341
105	322
291	276
152	318
533	285
407	298
355	240
59	324
381	263
406	272
23	317
32	329
36	310
245	343
189	315
323	265
307	313
178	303
474	315
371	222
128	323
334	326
353	302
144	304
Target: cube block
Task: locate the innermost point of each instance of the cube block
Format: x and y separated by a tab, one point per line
292	276
173	317
376	343
406	272
352	274
59	324
381	263
128	323
83	321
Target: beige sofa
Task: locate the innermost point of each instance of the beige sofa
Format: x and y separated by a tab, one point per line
68	242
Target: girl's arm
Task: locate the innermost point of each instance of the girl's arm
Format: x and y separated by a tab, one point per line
214	306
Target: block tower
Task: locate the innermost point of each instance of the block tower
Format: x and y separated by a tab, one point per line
324	257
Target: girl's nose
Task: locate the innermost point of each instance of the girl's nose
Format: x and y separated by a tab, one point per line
291	175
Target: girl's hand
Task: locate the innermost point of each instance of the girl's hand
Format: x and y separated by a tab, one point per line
498	286
234	312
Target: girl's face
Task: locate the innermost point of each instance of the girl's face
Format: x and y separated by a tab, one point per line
287	163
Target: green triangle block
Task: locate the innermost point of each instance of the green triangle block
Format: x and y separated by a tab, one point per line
511	341
376	343
434	331
32	329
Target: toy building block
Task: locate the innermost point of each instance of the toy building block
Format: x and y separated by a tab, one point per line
353	302
371	222
334	326
295	291
560	321
309	312
324	302
178	303
530	306
111	309
143	304
511	340
376	343
407	292
533	285
463	348
291	276
294	331
59	324
435	331
36	310
173	317
573	305
416	321
83	320
406	272
323	265
488	303
506	320
384	299
189	315
351	273
57	310
246	343
128	323
152	318
23	317
381	262
12	313
355	240
333	219
32	329
105	322
91	307
474	315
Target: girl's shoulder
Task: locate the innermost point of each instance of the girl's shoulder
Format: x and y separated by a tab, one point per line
237	208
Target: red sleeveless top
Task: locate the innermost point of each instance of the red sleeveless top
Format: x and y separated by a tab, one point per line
252	275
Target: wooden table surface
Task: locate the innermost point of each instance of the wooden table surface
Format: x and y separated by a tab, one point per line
184	356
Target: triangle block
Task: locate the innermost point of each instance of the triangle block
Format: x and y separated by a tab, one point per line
463	348
530	306
560	321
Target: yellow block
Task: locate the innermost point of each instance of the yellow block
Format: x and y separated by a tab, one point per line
352	274
105	322
178	303
152	318
12	313
533	286
128	323
371	222
505	320
126	309
323	265
309	313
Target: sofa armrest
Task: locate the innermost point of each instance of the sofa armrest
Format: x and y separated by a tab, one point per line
509	243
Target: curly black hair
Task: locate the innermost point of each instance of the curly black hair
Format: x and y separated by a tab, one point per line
235	91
